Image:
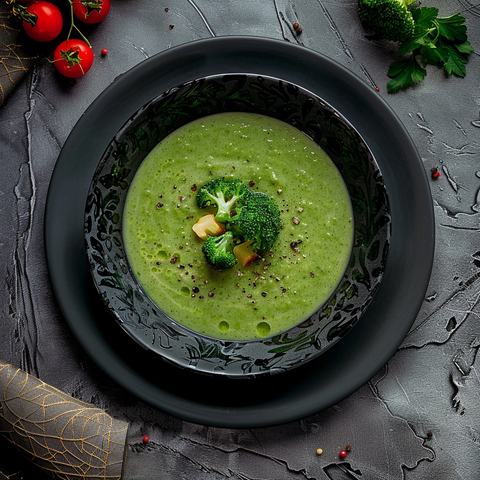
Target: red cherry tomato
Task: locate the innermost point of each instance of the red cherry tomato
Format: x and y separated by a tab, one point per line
91	11
44	21
73	58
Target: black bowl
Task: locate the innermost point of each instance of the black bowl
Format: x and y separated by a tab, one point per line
124	296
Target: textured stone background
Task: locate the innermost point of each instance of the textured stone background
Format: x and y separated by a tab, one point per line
431	384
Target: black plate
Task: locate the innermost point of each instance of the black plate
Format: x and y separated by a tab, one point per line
343	368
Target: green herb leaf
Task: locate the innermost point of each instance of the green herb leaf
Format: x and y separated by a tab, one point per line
424	17
424	25
404	73
411	44
465	47
434	56
452	27
456	62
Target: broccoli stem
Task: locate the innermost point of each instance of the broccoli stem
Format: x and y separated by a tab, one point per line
224	206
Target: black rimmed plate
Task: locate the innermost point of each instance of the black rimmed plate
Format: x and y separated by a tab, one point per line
345	366
144	320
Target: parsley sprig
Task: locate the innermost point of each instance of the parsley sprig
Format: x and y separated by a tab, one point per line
438	41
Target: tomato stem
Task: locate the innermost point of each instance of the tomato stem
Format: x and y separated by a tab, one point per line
72	26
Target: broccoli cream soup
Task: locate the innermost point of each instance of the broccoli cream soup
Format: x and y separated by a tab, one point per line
275	292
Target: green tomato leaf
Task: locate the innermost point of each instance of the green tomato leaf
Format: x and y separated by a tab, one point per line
404	73
21	12
92	7
71	56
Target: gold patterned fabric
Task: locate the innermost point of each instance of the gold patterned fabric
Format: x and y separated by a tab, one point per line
64	436
15	58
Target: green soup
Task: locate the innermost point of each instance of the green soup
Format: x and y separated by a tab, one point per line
273	293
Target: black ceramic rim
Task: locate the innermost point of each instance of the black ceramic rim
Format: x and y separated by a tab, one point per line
340	370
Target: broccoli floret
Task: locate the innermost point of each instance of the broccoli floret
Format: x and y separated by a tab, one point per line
228	195
388	19
218	251
251	218
258	221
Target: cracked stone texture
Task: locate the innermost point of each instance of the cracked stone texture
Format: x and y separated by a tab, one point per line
418	418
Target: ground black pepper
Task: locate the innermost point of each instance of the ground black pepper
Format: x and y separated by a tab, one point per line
294	245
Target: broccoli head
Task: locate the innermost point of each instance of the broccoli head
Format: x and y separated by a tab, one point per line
228	195
218	251
258	221
388	19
